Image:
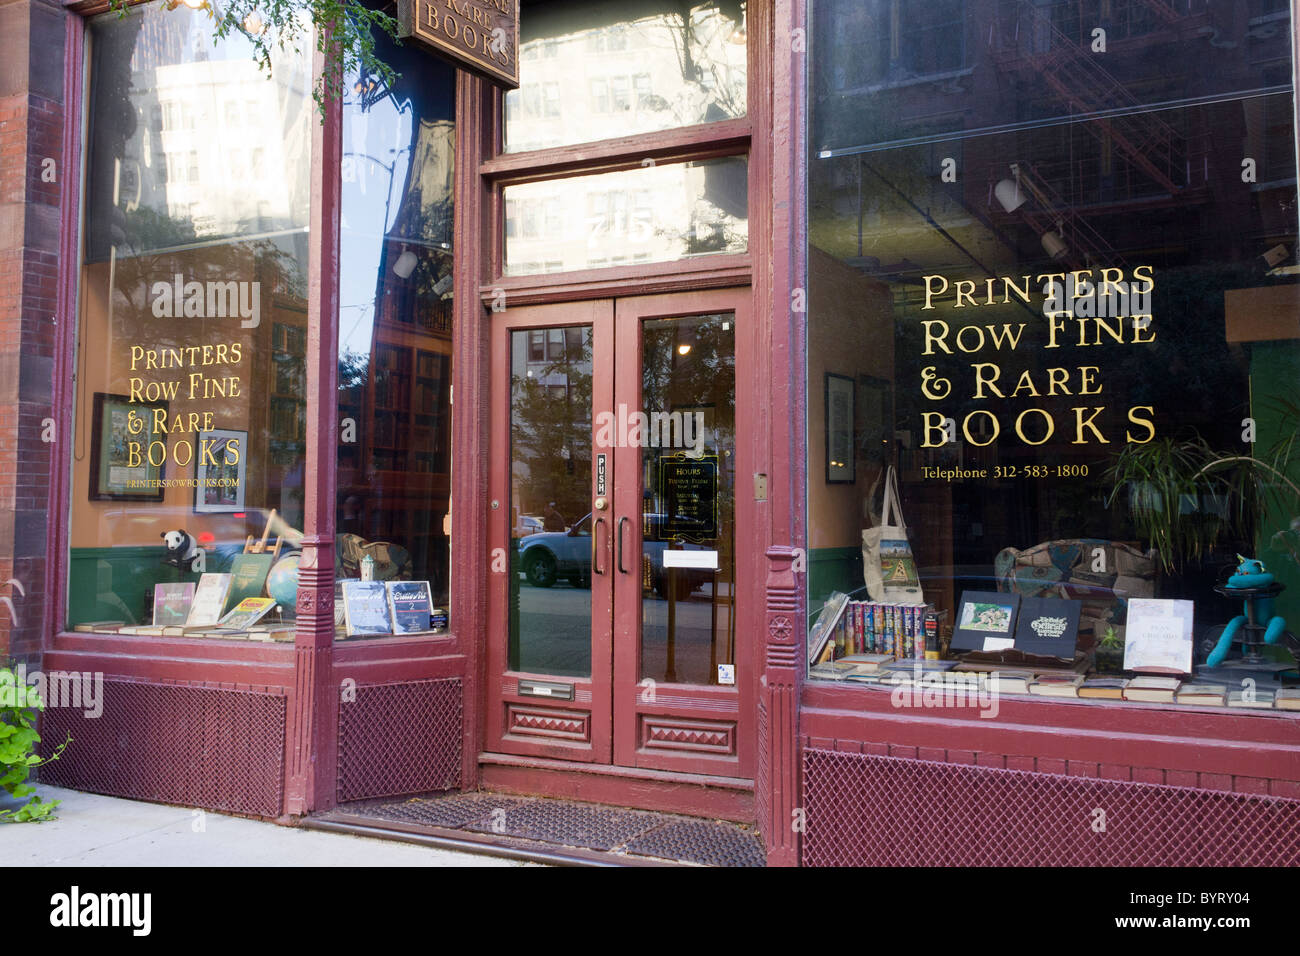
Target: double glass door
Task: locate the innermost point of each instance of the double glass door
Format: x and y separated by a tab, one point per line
613	519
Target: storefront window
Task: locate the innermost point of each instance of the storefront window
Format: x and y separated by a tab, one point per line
649	214
190	418
1053	296
597	70
395	315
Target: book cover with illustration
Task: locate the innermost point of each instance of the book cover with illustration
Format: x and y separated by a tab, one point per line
411	603
171	602
246	613
209	600
365	608
248	577
1048	626
986	620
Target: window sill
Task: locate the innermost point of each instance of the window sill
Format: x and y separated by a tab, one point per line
819	692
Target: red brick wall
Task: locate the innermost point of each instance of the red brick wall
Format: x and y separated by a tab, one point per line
32	37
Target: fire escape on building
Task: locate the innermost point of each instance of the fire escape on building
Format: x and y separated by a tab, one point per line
1157	161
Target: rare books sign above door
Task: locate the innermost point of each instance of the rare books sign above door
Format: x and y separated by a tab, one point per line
478	35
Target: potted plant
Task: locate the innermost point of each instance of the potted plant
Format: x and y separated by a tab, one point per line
1110	652
19	705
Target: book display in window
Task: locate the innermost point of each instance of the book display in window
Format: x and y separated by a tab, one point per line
171	602
365	609
411	606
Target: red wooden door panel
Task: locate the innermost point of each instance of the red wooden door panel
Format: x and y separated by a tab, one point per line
549	648
687	354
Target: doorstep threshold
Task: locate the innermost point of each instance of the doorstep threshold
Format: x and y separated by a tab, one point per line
548	830
528	851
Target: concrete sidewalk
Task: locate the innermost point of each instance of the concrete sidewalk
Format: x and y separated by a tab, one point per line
105	831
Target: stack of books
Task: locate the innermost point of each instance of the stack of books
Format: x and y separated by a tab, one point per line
873	627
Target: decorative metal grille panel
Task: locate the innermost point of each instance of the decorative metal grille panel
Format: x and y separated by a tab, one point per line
867	810
400	738
184	744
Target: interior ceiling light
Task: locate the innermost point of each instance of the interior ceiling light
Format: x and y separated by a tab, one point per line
1009	194
405	264
1054	245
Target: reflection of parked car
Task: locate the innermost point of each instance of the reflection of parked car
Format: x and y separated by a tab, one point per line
528	524
551	555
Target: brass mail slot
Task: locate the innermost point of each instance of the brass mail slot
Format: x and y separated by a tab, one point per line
545	688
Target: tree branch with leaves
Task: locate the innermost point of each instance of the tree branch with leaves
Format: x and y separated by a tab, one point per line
343	30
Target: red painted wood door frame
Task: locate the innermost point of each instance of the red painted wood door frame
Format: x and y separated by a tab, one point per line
609	717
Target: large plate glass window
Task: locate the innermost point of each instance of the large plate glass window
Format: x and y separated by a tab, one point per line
1053	294
190	404
395	327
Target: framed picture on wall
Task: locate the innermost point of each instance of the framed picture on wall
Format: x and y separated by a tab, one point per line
219	487
841	455
120	438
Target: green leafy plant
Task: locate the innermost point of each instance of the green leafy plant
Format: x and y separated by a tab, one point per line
1184	495
19	705
1110	640
340	29
1174	503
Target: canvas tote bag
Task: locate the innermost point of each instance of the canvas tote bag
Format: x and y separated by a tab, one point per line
887	562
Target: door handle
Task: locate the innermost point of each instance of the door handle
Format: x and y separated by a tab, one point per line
595	546
622	570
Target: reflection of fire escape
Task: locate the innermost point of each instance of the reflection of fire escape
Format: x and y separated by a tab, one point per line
1079	80
1049	214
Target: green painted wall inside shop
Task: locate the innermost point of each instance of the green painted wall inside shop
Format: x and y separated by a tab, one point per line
116	584
833	569
1275	373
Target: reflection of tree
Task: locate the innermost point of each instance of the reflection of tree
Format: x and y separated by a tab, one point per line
550	432
693	44
705	376
354	369
704	379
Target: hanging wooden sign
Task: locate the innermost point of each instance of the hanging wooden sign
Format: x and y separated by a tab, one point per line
478	35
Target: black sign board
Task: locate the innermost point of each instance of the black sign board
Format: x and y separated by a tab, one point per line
688	488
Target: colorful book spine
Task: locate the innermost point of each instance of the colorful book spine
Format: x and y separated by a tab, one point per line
871	629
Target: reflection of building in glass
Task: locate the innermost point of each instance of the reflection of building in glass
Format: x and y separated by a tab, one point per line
651	214
622	68
217	143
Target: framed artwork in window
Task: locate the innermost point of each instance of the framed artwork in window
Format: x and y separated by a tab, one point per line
122	435
219	487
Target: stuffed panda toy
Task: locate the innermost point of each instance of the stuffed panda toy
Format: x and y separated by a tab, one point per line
182	551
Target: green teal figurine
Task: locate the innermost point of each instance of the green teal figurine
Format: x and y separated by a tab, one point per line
1250	574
